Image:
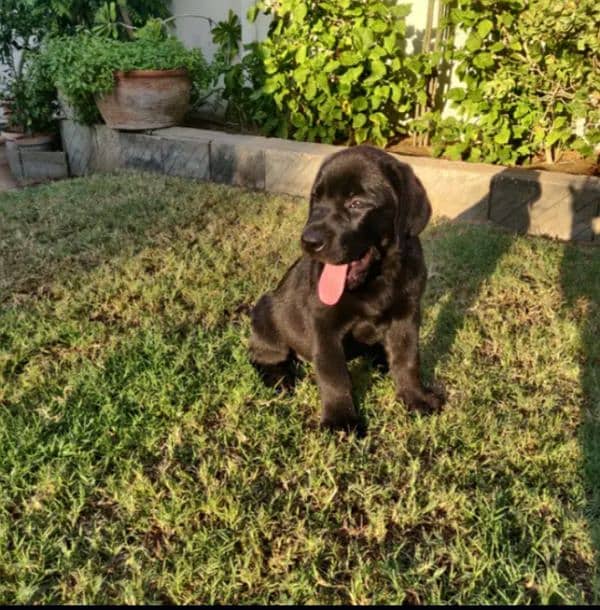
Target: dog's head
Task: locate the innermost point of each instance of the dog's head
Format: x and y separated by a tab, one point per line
362	201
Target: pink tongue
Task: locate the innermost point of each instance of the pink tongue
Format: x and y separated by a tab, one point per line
331	283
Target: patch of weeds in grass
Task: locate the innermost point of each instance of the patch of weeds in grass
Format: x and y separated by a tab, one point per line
142	460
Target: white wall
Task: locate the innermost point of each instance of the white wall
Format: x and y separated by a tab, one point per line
4	71
3	75
195	32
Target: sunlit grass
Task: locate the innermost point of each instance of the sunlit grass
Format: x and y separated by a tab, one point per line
141	459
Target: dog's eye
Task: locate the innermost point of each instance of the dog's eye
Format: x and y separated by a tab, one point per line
354	204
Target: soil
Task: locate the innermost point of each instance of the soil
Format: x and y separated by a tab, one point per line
571	162
215	125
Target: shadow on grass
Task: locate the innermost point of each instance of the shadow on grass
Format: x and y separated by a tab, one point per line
471	259
580	283
70	228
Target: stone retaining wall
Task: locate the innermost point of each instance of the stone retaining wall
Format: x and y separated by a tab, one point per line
541	203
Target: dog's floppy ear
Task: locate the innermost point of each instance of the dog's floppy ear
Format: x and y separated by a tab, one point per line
413	208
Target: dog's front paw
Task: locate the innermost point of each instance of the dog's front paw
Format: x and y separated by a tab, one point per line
425	400
340	417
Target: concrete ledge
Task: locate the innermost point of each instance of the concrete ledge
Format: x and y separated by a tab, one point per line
292	171
187	159
456	190
30	166
541	203
546	203
43	165
271	164
7	181
14	160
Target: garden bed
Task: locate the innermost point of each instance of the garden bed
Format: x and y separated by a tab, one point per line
570	162
142	460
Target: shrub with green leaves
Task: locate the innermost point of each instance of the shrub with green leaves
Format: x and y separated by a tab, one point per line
33	97
24	23
530	72
238	78
337	70
82	67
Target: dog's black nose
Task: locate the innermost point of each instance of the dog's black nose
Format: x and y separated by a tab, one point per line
313	239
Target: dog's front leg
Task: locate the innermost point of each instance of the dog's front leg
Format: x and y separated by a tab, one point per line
402	349
334	384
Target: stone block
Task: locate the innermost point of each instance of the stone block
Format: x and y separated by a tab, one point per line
79	144
106	149
43	165
141	152
456	190
291	167
546	203
185	158
237	162
13	157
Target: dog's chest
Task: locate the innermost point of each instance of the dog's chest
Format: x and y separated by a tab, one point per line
366	331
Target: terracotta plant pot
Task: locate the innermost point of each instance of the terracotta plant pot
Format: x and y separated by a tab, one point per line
146	99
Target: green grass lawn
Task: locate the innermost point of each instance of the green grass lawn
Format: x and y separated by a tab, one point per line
141	459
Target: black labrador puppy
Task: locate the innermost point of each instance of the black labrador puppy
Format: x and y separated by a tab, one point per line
357	286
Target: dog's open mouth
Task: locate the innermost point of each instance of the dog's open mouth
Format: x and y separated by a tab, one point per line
335	278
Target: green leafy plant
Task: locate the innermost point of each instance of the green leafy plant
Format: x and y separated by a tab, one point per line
26	89
20	28
24	24
106	21
238	77
228	34
337	71
121	18
82	67
33	98
530	74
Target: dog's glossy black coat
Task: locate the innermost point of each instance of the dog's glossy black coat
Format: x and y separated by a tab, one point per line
362	200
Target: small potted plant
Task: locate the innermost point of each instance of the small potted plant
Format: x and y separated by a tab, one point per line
33	101
143	83
32	124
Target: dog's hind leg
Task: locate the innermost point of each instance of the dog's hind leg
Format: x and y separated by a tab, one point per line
270	355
